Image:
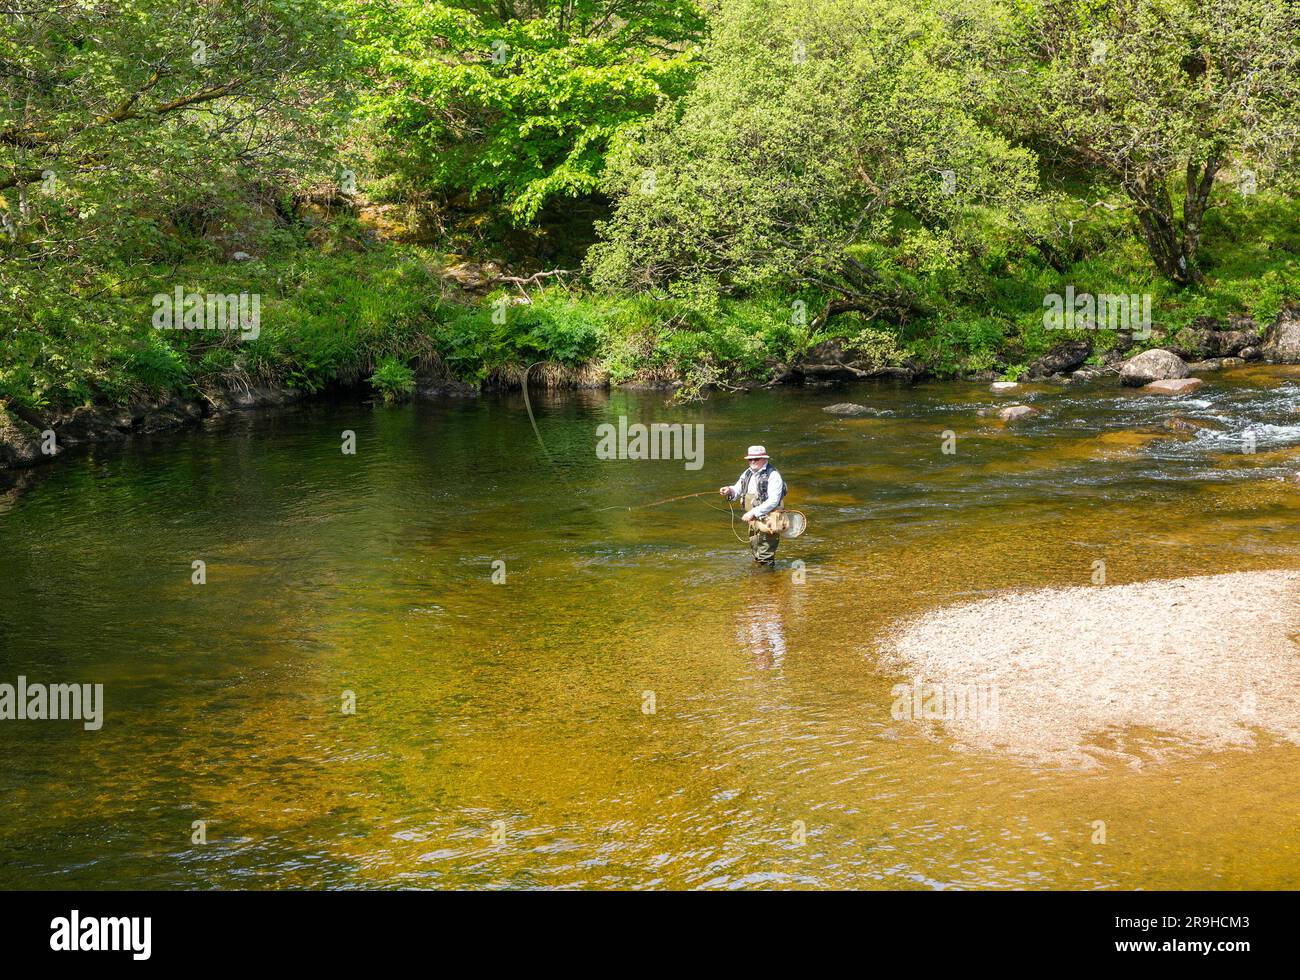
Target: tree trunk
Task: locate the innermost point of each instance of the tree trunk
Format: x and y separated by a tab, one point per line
1200	182
1174	243
1160	229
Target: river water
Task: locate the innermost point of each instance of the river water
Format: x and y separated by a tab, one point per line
634	706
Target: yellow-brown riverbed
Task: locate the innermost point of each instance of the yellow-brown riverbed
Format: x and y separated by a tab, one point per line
503	734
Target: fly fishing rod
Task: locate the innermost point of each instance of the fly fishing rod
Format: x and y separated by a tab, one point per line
686	496
656	503
788	523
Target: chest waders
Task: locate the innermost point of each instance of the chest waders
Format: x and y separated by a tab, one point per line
762	538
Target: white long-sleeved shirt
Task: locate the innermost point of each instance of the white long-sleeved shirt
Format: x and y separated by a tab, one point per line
775	486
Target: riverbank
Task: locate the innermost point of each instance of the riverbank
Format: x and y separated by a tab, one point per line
394	319
31	436
341	302
1127	674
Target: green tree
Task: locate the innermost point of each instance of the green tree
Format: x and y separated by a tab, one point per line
517	99
819	134
1161	96
110	105
123	124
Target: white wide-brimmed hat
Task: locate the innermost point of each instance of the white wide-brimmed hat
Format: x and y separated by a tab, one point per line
756	452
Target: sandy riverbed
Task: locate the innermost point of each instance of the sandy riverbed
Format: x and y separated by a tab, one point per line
1130	673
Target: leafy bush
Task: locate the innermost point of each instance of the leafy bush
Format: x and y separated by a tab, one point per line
393	379
158	366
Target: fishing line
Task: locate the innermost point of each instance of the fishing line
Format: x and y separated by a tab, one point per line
574	494
532	420
732	509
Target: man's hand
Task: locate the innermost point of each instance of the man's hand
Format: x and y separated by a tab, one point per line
726	492
748	517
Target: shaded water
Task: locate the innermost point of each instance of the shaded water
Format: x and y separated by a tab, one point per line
518	707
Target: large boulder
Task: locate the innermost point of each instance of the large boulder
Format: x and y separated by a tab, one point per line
1084	375
1195	344
1152	365
1064	357
1283	346
1204	338
1233	342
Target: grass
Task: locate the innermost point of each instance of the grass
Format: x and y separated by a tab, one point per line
384	314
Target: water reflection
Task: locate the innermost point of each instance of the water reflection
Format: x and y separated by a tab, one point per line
760	626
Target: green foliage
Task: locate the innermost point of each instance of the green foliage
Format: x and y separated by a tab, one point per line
552	327
817	131
1161	97
157	366
393	379
125	125
518	100
879	346
775	172
966	343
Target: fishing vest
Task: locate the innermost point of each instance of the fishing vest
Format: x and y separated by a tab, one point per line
761	486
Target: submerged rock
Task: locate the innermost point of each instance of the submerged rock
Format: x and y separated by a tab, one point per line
1173	386
1002	387
1180	424
1152	365
1215	364
847	408
1014	412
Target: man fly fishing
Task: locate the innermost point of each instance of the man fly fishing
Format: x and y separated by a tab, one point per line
760	490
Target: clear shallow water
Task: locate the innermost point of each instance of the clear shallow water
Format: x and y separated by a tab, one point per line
522	702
